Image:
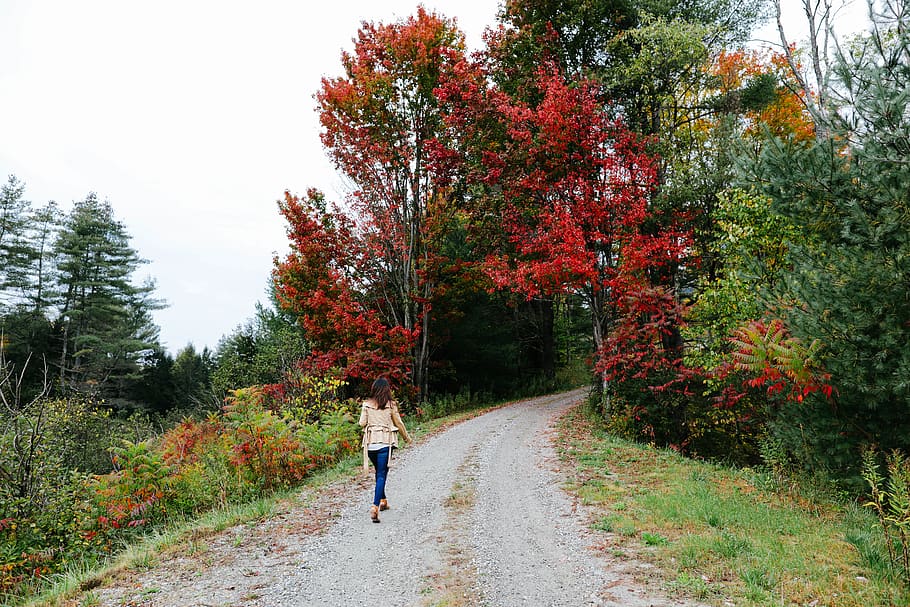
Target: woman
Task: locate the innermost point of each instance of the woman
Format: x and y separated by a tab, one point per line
381	424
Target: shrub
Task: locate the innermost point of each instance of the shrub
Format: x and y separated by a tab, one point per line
242	452
138	491
306	396
890	499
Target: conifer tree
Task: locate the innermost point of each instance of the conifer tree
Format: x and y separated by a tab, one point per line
105	318
850	280
14	250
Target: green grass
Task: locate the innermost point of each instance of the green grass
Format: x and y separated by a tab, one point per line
720	535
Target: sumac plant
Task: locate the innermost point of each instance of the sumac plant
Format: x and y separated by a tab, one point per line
778	362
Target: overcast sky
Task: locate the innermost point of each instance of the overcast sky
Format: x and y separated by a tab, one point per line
191	117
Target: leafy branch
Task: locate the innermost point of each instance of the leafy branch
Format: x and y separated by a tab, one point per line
778	361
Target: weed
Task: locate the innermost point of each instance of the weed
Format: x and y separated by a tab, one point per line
146	560
890	500
195	548
653	539
730	545
605	524
873	555
692	585
759	578
90	599
613	523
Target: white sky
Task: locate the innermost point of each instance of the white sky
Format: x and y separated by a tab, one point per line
192	117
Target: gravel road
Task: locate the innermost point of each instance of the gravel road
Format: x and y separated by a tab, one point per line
477	517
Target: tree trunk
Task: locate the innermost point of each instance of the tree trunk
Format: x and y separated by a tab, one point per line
547	338
598	331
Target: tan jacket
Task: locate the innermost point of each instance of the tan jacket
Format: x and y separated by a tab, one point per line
380	426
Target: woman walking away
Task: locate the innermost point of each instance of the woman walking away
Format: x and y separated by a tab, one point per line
381	424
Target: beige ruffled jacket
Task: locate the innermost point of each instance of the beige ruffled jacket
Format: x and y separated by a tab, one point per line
380	426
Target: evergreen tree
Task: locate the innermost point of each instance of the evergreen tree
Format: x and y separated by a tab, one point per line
105	318
39	285
850	280
192	376
14	250
156	387
260	351
27	335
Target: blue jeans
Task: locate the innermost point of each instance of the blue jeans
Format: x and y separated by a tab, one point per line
380	460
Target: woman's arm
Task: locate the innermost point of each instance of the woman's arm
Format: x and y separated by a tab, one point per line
396	419
363	415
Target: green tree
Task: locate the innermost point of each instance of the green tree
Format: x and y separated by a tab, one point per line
26	260
752	244
26	284
848	286
105	318
260	351
14	251
586	38
192	374
155	387
39	286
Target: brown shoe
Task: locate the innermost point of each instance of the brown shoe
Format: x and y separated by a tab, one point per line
374	513
383	504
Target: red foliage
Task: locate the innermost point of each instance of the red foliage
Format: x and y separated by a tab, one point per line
574	214
178	445
575	184
380	122
775	362
634	348
317	282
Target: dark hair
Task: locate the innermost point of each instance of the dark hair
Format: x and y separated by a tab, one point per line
381	392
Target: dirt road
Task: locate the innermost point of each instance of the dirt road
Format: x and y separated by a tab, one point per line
477	517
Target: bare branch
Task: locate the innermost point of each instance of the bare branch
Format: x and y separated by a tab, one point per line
816	101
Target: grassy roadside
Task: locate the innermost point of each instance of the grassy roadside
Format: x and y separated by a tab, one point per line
722	536
75	587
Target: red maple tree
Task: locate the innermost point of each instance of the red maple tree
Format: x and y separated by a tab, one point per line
318	281
570	189
380	121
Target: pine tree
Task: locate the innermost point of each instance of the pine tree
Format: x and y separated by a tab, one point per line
40	283
27	335
14	250
192	376
105	318
850	284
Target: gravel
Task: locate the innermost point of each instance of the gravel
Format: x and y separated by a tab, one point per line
519	539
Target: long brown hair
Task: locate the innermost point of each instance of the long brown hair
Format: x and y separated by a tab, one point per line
381	393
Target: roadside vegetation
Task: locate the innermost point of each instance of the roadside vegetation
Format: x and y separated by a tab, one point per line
729	535
143	546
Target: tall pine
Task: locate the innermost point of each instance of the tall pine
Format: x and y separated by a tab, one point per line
105	318
850	280
15	254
